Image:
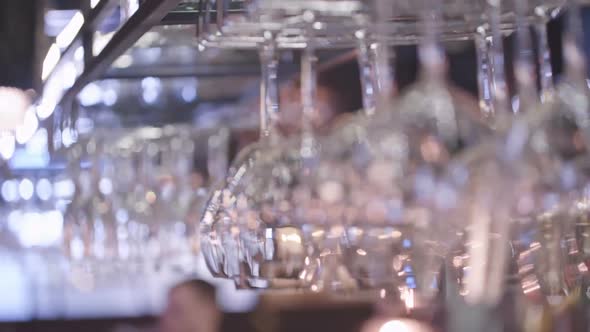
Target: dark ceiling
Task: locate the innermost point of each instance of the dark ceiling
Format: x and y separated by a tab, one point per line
19	38
17	31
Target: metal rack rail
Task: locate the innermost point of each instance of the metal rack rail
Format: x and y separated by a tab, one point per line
93	63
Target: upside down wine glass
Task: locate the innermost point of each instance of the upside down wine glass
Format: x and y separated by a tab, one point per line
537	159
226	209
390	178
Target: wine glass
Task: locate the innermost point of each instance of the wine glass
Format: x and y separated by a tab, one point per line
540	152
248	225
219	233
77	217
565	122
382	178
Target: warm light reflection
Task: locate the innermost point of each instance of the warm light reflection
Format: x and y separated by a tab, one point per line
403	325
100	41
407	295
395	326
291	238
14	103
7	146
123	61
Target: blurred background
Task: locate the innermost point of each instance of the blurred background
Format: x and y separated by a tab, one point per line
32	283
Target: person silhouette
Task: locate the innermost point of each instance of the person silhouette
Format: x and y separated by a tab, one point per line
191	307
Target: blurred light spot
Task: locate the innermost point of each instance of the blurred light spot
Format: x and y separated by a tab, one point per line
47	105
38	143
40	229
515	104
151	83
568	176
132	7
79	54
25	131
63	188
77	248
69	32
150	197
44	189
100	41
122	216
109	97
105	185
10	190
84	125
50	61
394	326
15	103
26	189
124	61
430	149
188	93
68	137
150	96
411	282
68	74
90	95
151	89
407	243
7	146
331	191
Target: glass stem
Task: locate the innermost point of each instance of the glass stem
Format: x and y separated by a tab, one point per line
573	44
482	48
308	93
498	82
308	99
524	69
384	74
269	91
430	52
366	61
544	59
218	155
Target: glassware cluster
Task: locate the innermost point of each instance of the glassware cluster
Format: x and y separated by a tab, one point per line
138	197
422	198
421	189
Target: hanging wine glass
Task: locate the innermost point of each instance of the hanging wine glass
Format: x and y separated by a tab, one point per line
534	157
257	205
567	126
388	178
273	240
220	234
78	216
